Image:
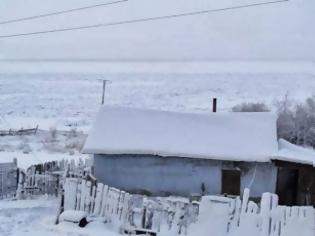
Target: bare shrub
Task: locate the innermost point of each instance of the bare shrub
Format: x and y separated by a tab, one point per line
53	133
251	107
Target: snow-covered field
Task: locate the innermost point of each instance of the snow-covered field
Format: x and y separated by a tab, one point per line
70	101
42	147
66	101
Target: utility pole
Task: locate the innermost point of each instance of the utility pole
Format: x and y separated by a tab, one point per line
104	88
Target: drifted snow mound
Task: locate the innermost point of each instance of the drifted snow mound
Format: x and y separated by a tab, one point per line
213	217
72	216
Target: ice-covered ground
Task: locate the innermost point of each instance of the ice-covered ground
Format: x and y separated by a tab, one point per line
44	146
72	100
37	218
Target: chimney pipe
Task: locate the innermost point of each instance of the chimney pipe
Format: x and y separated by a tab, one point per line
214	105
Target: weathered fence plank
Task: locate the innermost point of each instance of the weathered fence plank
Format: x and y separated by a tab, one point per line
8	179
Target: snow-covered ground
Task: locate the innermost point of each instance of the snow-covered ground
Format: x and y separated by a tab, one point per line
66	101
44	146
70	101
37	217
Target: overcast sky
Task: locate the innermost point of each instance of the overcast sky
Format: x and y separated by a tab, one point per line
283	31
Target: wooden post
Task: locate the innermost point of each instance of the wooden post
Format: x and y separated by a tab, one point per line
143	221
103	94
36	129
61	206
214	105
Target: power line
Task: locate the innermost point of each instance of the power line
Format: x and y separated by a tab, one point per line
141	19
60	12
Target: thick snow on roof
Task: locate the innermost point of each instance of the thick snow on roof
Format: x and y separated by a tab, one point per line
224	136
294	153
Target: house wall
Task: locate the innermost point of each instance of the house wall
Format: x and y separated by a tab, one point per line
296	184
177	175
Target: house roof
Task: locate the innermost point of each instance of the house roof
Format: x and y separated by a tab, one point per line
293	153
222	136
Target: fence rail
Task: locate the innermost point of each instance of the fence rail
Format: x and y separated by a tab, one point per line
12	132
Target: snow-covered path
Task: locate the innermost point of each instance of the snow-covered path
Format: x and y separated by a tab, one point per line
36	218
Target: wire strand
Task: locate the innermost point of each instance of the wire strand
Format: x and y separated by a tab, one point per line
60	12
141	19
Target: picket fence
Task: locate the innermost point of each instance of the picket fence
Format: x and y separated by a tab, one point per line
48	178
264	219
129	212
219	215
214	214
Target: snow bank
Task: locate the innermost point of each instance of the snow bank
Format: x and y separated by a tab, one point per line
72	216
225	136
213	217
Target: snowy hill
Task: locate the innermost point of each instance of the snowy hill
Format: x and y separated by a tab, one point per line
279	31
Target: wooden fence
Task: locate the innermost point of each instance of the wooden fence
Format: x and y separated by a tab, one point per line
129	212
8	179
216	215
48	178
264	219
12	132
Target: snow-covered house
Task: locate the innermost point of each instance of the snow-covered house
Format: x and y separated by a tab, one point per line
163	153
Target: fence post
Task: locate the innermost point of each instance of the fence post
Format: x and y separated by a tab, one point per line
265	213
61	206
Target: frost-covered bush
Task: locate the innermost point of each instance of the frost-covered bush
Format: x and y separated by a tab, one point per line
53	133
251	107
73	133
76	144
27	149
286	119
54	147
24	147
296	122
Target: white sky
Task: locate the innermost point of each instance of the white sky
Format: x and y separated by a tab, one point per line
283	31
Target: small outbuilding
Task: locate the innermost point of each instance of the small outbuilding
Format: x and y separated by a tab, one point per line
170	153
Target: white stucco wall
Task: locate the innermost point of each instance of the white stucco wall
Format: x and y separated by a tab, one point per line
176	175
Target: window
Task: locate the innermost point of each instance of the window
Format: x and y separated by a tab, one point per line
231	182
